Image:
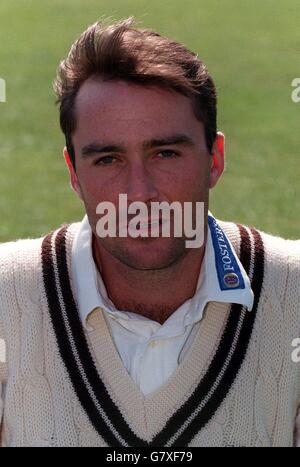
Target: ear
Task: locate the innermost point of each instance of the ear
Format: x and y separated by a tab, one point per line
73	176
217	164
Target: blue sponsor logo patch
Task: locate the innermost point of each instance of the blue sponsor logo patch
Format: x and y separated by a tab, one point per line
231	280
229	273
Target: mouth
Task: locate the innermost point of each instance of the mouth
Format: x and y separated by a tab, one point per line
145	227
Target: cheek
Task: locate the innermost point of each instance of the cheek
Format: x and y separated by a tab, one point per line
93	188
193	182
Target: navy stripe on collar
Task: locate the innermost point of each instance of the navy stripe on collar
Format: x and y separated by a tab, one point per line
229	273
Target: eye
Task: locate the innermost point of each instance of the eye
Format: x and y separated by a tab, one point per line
106	160
167	154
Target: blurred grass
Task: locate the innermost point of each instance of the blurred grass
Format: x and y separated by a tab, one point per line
252	51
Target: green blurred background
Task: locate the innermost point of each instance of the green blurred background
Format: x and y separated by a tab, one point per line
251	49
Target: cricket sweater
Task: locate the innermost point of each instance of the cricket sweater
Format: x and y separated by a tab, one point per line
64	385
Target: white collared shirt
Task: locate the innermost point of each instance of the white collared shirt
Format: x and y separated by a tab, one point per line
150	351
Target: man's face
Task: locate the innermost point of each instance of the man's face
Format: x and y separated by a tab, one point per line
147	143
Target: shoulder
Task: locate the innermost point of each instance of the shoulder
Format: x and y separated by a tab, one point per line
281	258
279	253
19	284
21	273
24	255
19	256
13	249
281	267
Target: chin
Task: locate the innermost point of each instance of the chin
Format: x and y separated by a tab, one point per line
146	254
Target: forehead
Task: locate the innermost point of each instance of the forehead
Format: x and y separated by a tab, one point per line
121	107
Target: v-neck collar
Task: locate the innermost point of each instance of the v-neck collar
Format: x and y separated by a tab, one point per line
148	413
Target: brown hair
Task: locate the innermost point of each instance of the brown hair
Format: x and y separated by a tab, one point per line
120	51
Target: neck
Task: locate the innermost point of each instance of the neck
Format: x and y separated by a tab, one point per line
155	294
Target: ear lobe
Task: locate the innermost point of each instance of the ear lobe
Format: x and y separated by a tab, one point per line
73	176
217	164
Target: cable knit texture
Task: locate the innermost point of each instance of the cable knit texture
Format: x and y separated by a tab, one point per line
39	405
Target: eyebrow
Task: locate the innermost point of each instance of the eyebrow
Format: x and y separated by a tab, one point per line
169	141
100	148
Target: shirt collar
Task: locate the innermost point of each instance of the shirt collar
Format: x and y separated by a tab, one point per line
91	293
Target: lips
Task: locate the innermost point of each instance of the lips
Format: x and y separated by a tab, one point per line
142	228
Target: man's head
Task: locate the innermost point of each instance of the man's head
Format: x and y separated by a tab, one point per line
122	52
139	115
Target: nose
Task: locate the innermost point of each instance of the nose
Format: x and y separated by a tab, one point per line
140	184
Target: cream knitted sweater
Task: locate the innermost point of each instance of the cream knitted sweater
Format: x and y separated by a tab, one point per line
63	385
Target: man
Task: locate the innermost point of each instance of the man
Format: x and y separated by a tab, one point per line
140	341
